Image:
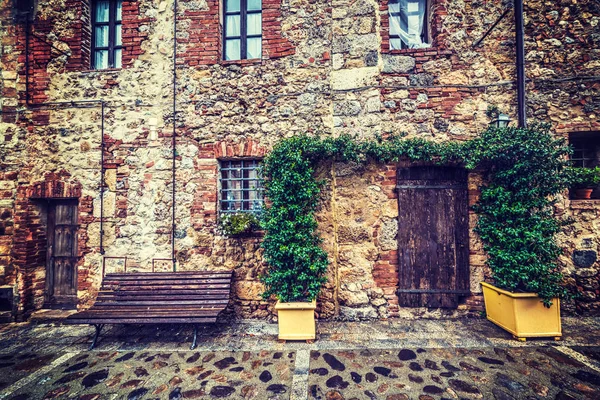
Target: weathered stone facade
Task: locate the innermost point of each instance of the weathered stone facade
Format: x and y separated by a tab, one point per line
327	69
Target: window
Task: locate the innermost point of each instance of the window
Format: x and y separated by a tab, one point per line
243	29
241	190
408	24
106	34
586	153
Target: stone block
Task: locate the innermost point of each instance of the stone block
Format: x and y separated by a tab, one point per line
584	258
345	79
94	234
396	64
387	236
110	179
586	272
108	205
357	314
346	108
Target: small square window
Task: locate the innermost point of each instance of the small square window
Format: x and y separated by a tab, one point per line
242	30
106	34
409	21
241	189
586	153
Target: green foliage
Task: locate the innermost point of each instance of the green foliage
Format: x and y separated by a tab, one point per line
232	224
525	168
492	111
582	178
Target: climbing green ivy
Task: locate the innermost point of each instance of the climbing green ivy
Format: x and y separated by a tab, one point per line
524	170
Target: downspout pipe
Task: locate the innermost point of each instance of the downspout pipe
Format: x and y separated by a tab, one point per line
520	63
102	180
173	137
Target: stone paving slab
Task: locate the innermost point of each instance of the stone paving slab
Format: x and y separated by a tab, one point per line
591	352
15	366
166	375
381	340
488	373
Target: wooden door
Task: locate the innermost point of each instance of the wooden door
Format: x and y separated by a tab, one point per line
61	269
433	236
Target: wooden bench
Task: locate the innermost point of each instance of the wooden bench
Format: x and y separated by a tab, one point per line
158	298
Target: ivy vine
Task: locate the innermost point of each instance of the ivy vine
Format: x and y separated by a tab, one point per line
524	170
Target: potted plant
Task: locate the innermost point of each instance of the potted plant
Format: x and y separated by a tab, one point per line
525	168
296	264
238	224
583	181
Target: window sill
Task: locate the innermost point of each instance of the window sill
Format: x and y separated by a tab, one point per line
250	61
247	235
582	204
100	71
434	50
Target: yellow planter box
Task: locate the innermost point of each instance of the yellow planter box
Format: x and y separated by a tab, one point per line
522	314
296	320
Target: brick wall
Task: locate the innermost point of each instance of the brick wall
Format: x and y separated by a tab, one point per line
202	41
30	237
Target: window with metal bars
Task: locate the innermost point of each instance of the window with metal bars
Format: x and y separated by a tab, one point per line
584	153
241	190
242	25
107	45
408	24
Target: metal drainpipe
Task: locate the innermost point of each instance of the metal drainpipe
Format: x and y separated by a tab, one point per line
173	142
102	179
521	107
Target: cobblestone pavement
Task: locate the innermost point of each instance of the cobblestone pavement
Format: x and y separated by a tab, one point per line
388	360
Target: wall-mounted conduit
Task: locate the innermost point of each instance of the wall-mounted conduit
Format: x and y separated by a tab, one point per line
173	141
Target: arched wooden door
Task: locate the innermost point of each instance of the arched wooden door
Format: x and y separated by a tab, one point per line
433	236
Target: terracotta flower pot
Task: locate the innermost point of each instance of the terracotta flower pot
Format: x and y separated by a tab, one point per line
583	194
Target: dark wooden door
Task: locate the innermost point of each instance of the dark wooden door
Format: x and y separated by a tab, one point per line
61	270
433	236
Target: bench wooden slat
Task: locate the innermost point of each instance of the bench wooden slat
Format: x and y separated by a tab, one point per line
186	320
199	282
167	275
146	312
179	273
148	302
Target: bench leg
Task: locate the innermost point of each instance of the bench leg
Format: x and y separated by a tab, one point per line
98	329
195	337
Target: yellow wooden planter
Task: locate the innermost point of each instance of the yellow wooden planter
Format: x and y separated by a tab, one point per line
522	314
296	320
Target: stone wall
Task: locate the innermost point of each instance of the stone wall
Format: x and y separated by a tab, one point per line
326	69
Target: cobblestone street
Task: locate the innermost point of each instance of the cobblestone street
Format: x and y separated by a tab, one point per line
390	360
